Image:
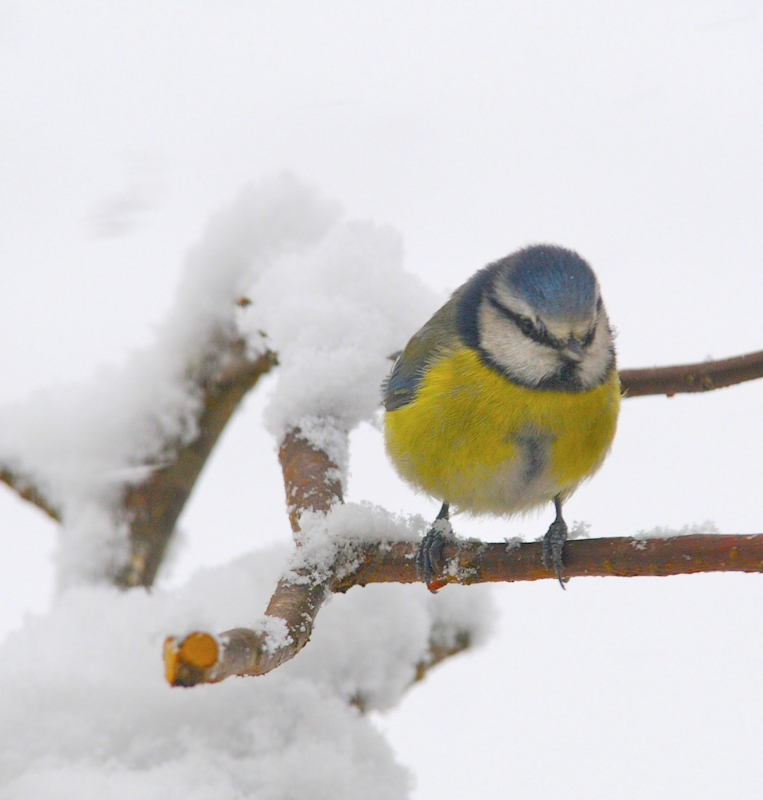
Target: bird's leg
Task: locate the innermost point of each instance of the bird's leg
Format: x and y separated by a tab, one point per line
553	543
429	559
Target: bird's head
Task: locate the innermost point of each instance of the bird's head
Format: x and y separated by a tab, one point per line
537	316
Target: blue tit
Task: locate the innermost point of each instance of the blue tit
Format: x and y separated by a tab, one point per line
507	398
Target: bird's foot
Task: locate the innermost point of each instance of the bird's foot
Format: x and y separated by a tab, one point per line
430	562
553	545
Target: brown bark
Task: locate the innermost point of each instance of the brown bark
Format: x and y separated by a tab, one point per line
310	478
153	507
702	377
157	503
311	481
625	557
26	490
244	652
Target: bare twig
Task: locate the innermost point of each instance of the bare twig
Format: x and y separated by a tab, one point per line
701	377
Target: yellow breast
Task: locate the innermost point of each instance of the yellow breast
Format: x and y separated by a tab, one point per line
476	440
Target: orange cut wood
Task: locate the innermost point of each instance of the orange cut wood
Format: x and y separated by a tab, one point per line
170	660
198	650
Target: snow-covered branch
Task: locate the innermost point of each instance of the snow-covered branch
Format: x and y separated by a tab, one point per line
153	506
161	497
314	490
204	658
26	489
116	461
311	478
313	485
338	562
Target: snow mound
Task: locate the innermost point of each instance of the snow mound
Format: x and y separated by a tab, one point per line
85	711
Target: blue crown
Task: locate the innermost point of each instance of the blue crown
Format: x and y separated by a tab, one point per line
557	283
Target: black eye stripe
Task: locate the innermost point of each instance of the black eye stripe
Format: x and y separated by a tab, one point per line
527	326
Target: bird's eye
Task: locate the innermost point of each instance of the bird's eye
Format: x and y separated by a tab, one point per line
526	326
589	337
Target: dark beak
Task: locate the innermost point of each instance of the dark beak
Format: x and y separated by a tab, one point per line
573	351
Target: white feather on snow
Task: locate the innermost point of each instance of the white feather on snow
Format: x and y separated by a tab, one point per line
85	711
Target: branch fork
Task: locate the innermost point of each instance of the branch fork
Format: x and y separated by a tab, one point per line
313	484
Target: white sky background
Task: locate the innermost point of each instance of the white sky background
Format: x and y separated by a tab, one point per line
631	134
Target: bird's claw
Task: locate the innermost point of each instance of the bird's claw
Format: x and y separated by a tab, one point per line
430	562
553	546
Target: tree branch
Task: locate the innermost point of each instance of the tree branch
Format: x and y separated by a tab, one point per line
153	507
26	490
625	557
439	652
679	379
312	483
701	377
247	652
311	479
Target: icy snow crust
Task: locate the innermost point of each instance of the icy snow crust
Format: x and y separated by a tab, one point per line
85	711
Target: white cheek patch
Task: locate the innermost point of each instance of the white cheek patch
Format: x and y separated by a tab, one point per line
521	357
598	355
530	362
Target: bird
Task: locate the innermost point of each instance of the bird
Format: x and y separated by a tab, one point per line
507	399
